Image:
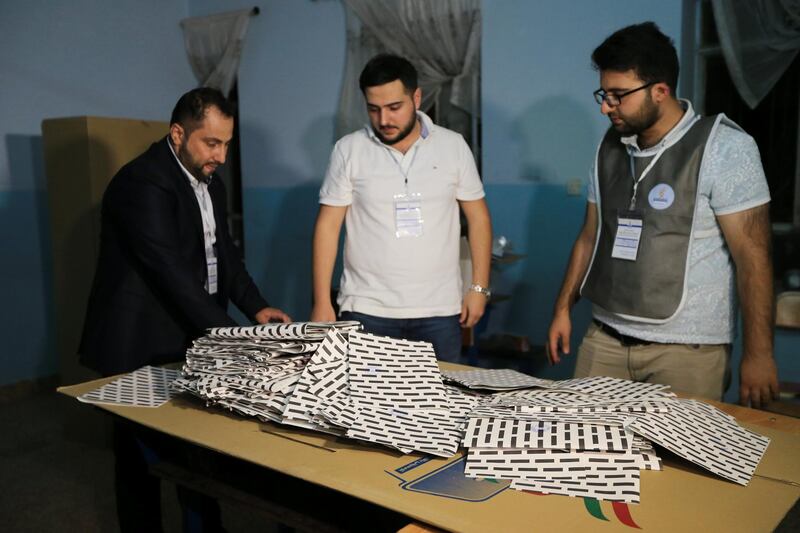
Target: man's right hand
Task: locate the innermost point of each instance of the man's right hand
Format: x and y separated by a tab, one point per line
323	313
560	329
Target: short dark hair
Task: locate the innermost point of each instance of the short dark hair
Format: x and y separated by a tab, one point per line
643	49
385	68
191	108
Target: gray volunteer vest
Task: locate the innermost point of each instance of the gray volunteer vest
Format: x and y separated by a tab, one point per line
650	289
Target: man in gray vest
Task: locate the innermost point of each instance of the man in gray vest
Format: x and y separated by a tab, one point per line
677	216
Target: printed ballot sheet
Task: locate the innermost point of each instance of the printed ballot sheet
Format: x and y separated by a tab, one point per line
547	465
324	378
615	388
293	330
394	374
437	433
512	433
623	487
495	379
707	437
145	387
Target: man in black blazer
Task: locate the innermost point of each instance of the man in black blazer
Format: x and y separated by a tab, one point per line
166	270
164	232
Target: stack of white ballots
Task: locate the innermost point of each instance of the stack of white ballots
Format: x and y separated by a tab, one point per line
591	437
251	370
331	377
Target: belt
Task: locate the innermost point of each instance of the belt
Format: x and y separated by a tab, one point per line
624	340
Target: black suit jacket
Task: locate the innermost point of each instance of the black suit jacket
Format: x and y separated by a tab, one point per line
148	299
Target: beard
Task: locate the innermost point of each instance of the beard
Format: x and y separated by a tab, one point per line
641	120
404	131
194	167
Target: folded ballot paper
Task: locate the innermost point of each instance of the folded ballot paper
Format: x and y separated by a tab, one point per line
579	437
147	387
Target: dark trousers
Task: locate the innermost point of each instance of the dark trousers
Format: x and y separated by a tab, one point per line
139	493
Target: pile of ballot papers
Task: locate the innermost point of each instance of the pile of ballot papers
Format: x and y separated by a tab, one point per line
593	436
332	378
579	437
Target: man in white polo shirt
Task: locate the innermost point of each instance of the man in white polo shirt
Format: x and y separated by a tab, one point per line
397	185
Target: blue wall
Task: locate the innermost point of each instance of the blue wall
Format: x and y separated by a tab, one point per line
85	57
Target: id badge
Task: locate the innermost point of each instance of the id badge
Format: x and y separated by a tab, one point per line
629	234
408	215
211	284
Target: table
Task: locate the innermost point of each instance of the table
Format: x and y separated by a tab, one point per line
430	491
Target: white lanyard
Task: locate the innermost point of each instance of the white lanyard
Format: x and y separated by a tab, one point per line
644	173
405	172
653	162
407	206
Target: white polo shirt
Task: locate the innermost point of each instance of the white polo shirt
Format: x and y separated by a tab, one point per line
387	276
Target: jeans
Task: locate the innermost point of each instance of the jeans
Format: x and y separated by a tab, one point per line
444	332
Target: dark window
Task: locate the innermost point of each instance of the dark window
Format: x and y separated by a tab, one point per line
774	126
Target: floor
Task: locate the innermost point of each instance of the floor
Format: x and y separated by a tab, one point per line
52	452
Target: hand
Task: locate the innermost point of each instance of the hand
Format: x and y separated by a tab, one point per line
472	308
323	313
758	381
560	329
271	314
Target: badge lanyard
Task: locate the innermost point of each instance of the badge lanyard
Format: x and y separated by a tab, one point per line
644	174
631	222
407	206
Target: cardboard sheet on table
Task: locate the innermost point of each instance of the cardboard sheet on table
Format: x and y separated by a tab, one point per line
677	499
782	459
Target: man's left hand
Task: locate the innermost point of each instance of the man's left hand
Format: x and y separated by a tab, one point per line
271	314
472	308
758	381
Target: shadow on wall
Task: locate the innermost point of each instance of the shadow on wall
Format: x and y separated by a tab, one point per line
279	221
318	141
26	271
555	142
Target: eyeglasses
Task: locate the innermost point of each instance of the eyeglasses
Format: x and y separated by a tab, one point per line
614	99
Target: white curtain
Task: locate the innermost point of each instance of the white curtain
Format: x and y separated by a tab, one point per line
441	38
214	46
759	39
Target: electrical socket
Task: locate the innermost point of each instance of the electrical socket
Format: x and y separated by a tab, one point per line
574	187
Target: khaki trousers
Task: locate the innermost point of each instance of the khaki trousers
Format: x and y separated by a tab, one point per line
701	370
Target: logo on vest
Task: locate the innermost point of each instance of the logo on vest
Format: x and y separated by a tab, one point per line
661	196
